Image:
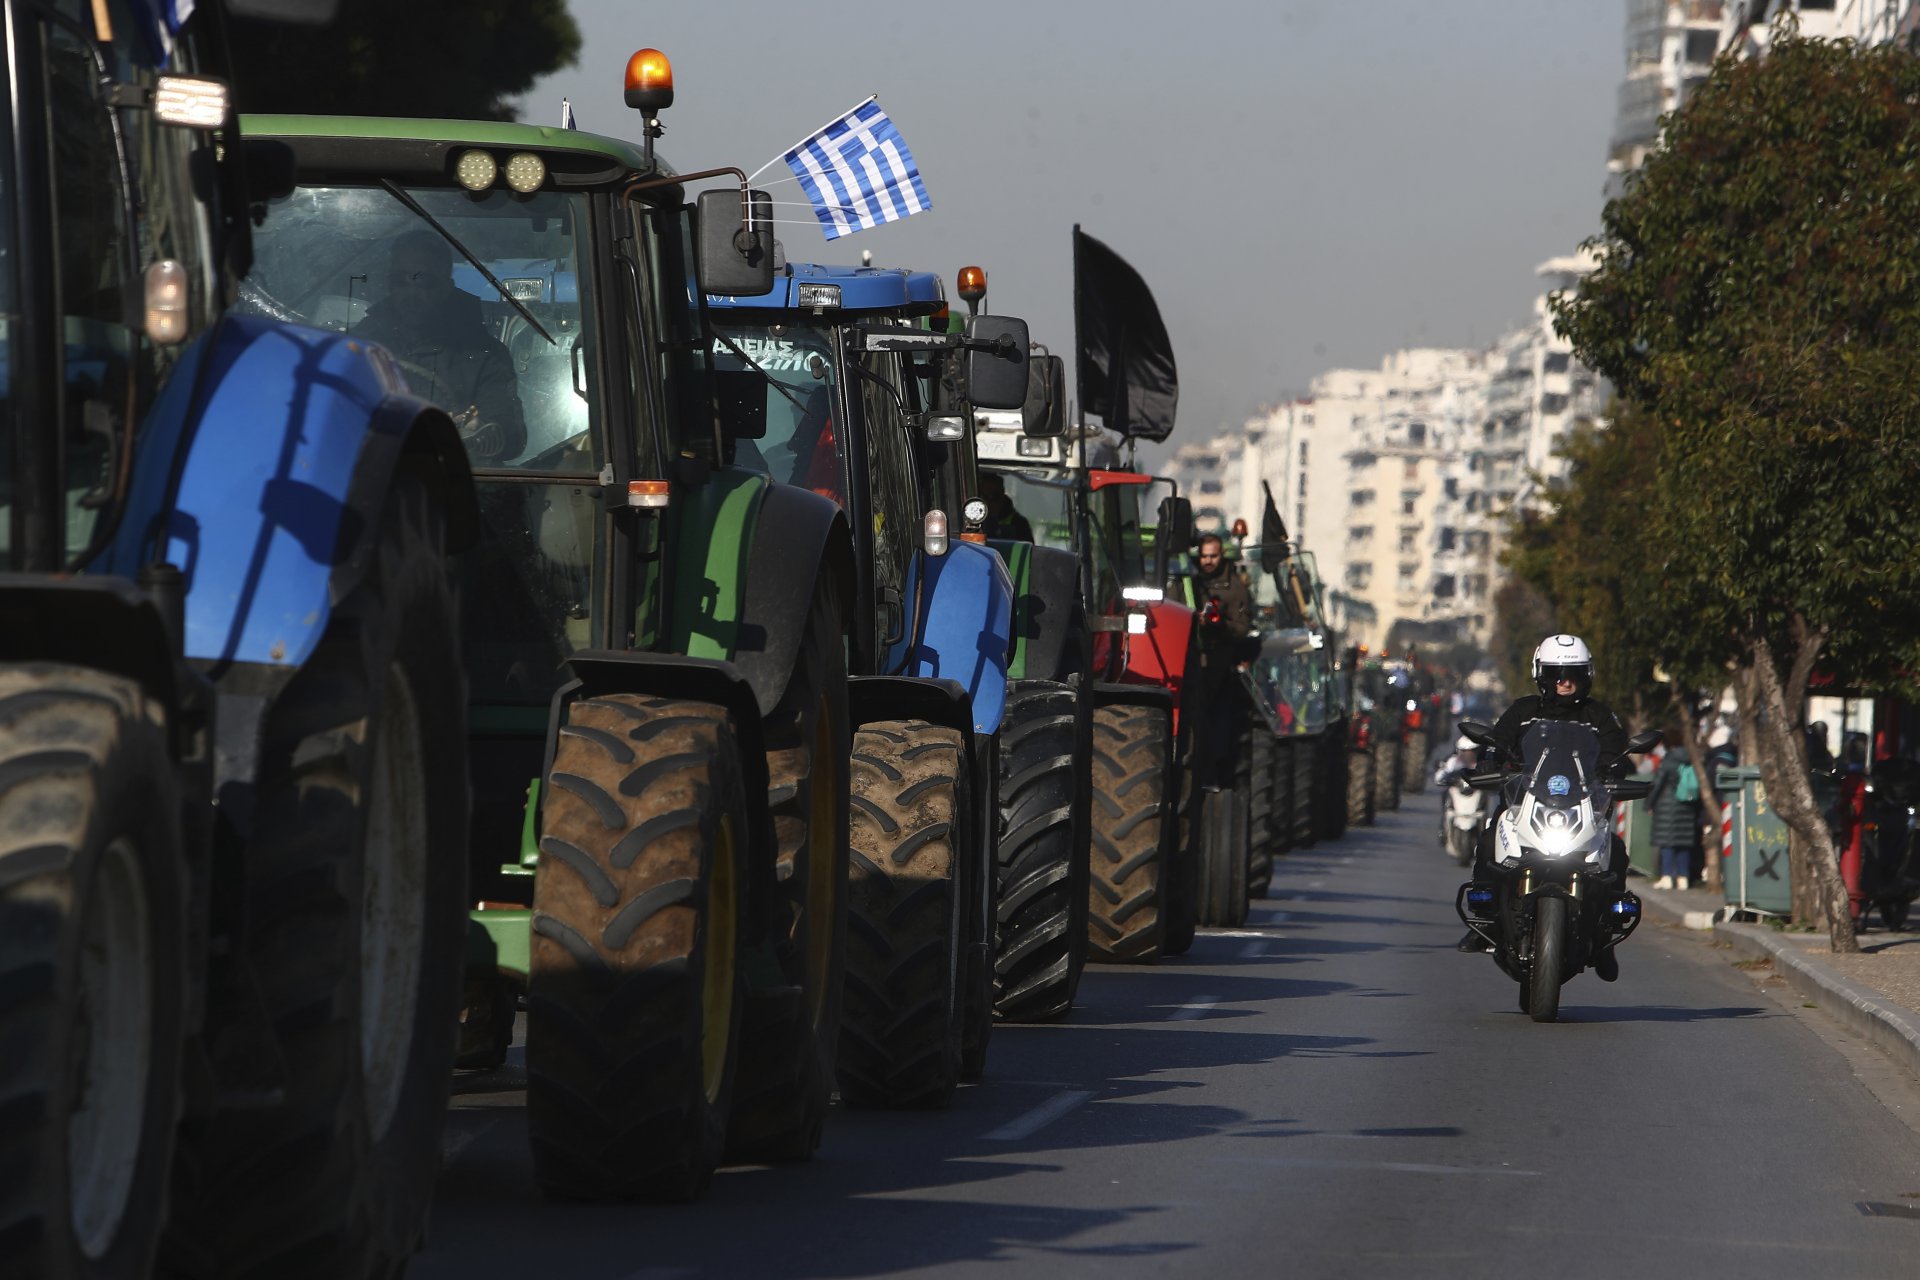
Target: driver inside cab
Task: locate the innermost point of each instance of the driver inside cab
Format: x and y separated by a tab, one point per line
439	335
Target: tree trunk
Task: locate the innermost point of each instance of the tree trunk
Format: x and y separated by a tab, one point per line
1709	798
1783	770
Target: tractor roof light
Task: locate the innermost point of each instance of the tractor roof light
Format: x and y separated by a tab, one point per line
476	170
526	172
973	284
649	82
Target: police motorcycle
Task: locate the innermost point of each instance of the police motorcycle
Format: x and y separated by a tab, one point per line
1552	909
1463	815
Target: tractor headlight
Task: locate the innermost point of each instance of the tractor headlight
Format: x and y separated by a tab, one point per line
476	170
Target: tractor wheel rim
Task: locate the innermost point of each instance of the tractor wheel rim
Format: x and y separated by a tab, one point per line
113	1064
393	905
717	969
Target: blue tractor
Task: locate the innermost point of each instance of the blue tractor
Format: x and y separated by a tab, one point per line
822	385
232	709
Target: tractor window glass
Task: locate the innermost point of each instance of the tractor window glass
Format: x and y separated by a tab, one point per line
1038	504
10	322
513	365
891	478
777	393
677	326
93	272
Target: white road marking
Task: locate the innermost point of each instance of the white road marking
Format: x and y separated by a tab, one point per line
1386	1166
1315	884
1195	1008
1039	1118
1237	933
1253	950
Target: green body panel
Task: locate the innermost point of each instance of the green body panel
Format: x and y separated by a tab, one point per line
1019	560
500	939
713	525
481	133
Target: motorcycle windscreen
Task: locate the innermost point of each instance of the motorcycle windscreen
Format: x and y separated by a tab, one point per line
1562	764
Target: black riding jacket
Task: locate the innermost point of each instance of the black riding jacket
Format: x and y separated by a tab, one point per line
1524	711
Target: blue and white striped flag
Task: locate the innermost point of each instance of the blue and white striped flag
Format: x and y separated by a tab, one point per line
858	172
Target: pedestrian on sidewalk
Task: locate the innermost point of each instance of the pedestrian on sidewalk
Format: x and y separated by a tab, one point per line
1675	802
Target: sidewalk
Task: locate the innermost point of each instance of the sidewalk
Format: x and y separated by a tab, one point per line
1875	994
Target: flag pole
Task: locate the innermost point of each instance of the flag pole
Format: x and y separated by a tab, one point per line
780	154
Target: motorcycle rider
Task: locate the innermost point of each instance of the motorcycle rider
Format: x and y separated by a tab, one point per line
1563	673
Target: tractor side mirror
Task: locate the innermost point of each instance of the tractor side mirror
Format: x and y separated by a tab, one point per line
1044	416
733	263
997	374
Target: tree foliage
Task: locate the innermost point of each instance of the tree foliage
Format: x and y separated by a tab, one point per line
457	59
1756	299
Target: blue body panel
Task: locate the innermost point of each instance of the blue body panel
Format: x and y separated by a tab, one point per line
262	520
909	293
963	626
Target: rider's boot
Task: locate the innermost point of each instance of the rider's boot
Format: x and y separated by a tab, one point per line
1606	966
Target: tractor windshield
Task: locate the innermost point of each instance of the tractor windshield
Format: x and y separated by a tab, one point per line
516	378
1041	502
777	394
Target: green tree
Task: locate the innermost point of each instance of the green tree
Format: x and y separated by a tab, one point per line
457	59
1757	298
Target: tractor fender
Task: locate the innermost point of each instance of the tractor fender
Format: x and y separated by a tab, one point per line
1048	620
963	627
285	440
798	535
95	621
943	702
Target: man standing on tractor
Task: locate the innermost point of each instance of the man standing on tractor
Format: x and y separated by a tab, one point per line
436	331
1224	616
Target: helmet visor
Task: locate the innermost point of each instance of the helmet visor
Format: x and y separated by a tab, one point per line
1581	677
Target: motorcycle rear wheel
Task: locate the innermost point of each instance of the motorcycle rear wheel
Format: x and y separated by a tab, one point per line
1549	944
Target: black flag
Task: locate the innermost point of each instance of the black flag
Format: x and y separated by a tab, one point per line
1273	534
1126	368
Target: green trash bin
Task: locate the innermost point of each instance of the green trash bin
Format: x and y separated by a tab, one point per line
1639	832
1755	875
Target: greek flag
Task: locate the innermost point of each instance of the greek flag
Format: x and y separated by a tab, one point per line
858	172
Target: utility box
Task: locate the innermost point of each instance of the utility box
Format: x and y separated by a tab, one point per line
1638	832
1755	876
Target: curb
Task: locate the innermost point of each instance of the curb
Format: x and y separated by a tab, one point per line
1655	902
1894	1028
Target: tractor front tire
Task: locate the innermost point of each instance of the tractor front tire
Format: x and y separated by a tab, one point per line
1131	833
354	938
1223	859
900	1029
93	972
634	990
1042	943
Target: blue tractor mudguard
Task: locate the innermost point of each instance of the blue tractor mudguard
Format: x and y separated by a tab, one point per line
285	441
962	627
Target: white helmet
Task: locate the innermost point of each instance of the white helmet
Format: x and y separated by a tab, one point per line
1563	657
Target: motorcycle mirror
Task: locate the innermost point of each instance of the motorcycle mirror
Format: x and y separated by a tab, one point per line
1641	743
1486	781
1632	789
1479	732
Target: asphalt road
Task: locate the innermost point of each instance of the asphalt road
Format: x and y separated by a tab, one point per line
1330	1091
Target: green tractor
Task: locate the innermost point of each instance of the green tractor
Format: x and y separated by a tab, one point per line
657	635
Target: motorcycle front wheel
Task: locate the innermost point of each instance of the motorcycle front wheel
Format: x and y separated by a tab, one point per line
1549	944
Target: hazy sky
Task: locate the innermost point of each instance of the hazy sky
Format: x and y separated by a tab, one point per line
1304	183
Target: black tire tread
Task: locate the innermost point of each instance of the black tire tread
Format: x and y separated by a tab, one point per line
1040	940
1131	831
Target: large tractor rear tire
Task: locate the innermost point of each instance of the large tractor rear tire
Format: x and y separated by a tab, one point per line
1360	770
1042	917
1223	859
790	1036
93	972
355	936
634	988
1263	815
900	1030
1132	830
1386	776
1413	763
